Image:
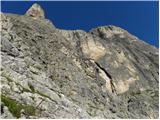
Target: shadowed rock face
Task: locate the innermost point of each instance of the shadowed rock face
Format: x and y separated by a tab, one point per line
54	73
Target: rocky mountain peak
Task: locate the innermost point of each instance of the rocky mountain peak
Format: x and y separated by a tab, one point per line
108	31
35	11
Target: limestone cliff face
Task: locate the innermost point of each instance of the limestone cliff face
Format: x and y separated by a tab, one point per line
47	72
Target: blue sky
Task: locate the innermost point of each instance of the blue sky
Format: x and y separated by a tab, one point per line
139	18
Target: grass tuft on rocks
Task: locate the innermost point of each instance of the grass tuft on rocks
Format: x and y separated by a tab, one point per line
15	107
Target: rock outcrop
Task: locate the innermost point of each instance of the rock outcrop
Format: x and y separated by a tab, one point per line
36	12
47	72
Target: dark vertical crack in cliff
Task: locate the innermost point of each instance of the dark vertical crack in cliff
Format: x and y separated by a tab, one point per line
108	75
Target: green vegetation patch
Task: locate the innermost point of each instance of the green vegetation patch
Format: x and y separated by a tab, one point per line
15	107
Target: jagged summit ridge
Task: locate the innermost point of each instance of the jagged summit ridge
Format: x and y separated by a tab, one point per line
109	31
35	11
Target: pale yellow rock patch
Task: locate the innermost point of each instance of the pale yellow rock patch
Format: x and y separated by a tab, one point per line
78	64
123	85
93	50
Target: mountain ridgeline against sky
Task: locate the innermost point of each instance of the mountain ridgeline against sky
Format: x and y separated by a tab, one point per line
139	18
53	73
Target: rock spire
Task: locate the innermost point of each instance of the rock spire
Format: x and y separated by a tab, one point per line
36	12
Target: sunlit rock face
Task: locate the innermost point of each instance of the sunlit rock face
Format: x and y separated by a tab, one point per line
35	11
48	72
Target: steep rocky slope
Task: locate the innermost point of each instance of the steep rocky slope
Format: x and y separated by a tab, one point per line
47	72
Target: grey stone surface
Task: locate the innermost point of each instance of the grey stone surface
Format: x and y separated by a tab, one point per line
35	11
105	73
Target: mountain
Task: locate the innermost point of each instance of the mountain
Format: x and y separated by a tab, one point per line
48	72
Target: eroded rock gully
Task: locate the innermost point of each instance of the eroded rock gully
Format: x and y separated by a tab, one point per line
47	72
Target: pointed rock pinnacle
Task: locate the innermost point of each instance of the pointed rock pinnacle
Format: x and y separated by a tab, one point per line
35	11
